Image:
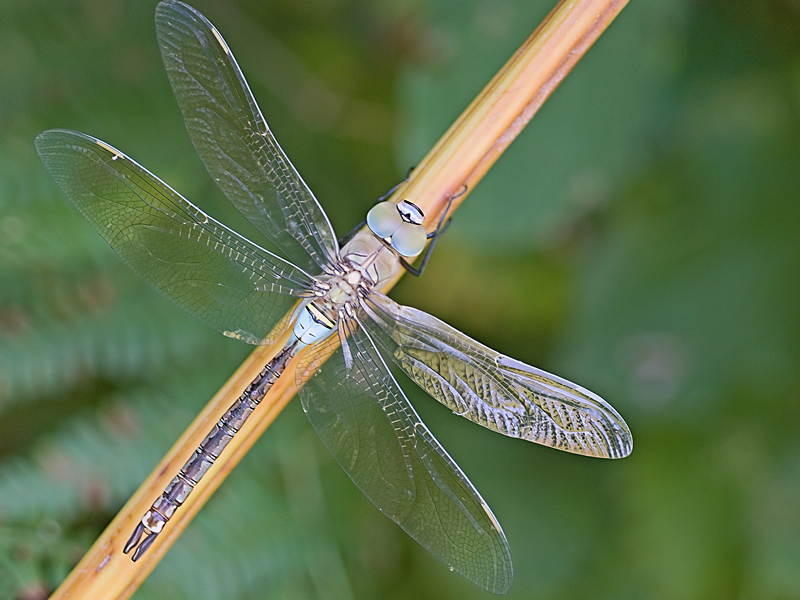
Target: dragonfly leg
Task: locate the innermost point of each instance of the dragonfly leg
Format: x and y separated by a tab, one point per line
441	227
351	234
207	452
395	186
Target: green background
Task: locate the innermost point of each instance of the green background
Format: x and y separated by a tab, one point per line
641	237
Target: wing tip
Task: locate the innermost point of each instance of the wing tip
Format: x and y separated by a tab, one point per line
188	15
625	442
620	438
46	137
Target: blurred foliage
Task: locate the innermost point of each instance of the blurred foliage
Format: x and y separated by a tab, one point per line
641	237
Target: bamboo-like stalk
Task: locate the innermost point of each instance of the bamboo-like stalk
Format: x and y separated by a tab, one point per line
462	156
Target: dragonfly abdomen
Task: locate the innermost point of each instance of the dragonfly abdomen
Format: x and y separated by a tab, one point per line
207	452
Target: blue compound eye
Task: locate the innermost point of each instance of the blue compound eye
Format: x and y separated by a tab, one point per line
409	239
384	219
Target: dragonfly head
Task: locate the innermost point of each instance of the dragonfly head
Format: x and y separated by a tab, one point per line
400	224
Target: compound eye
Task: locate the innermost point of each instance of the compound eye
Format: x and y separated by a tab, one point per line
383	219
409	239
410	212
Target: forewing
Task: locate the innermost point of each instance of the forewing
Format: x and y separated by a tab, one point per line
493	390
234	141
210	271
368	425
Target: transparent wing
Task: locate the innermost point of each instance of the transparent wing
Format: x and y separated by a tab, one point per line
210	271
367	423
234	141
500	393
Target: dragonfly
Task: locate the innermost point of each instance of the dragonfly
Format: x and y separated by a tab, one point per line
328	294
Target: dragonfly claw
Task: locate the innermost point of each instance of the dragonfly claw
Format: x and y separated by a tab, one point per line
134	539
149	531
146	543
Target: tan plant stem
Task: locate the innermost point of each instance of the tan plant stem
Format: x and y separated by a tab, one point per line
461	156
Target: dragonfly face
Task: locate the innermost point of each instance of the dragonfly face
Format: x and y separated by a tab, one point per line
245	291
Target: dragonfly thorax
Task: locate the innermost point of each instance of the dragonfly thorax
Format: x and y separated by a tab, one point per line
345	287
371	257
317	318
